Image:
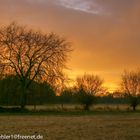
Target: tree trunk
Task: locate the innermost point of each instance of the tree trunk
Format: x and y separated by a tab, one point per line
86	107
23	98
134	108
34	107
62	106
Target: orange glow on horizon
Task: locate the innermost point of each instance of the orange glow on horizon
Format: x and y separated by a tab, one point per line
110	86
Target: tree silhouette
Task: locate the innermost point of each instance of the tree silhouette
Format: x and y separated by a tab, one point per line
9	90
131	86
85	98
87	87
32	56
66	96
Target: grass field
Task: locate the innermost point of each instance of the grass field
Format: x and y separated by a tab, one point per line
77	107
98	126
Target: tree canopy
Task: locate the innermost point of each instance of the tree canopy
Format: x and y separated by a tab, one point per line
32	56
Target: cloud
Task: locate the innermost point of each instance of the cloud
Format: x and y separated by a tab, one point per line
81	5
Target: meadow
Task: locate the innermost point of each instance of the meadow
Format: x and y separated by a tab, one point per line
79	107
95	126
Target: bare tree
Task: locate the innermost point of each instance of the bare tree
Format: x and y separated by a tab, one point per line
32	55
131	86
92	84
88	86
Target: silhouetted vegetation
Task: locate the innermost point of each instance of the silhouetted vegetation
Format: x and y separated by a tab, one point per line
67	96
44	93
87	87
85	98
32	56
131	87
38	93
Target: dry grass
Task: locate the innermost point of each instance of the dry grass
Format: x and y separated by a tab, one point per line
94	127
96	107
76	107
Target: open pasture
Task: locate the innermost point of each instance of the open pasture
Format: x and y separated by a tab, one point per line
77	107
107	126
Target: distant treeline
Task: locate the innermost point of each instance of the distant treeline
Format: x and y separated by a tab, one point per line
43	93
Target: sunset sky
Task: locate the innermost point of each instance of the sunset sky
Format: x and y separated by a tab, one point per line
105	34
